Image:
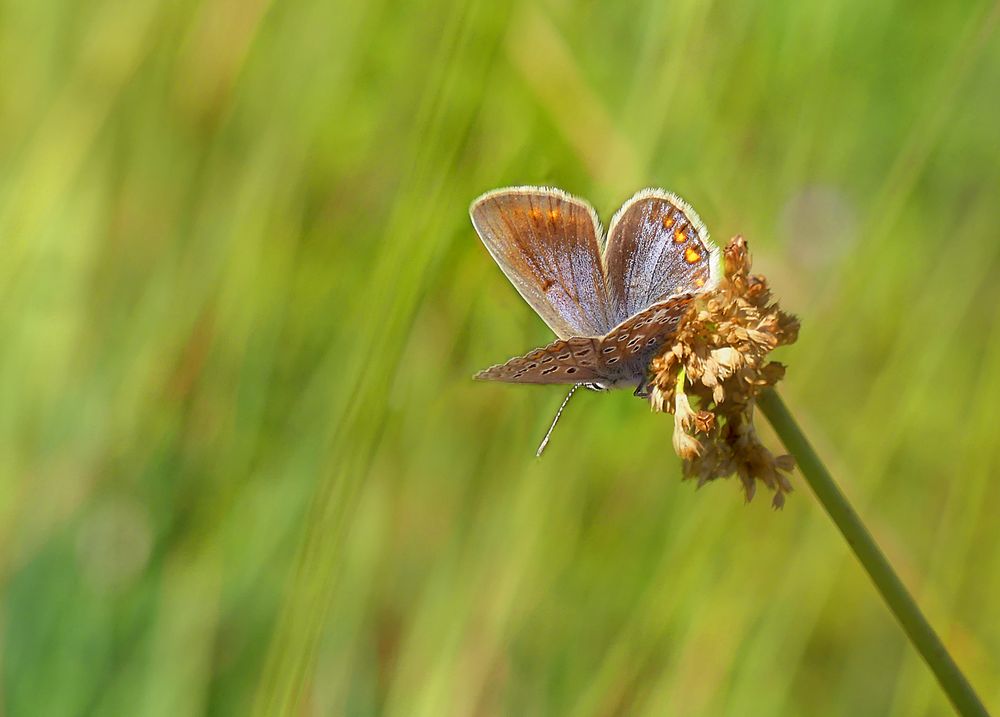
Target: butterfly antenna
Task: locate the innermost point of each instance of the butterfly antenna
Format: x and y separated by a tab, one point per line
548	433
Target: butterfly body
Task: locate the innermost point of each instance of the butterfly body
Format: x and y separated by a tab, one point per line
615	302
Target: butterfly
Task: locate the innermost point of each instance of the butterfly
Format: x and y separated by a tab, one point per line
613	302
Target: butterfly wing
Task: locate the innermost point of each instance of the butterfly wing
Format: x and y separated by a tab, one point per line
627	350
548	244
657	247
621	358
573	360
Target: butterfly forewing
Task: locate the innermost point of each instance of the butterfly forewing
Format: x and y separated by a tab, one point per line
548	245
657	247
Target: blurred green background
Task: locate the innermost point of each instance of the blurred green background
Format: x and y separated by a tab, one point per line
243	468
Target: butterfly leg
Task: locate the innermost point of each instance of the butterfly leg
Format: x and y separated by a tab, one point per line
642	390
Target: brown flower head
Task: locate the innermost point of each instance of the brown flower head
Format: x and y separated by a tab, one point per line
718	359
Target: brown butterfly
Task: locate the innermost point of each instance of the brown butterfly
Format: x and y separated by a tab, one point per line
612	302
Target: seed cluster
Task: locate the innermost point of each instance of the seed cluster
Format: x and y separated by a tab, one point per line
719	358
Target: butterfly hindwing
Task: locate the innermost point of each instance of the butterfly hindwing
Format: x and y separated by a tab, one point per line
620	358
657	247
626	351
548	245
572	360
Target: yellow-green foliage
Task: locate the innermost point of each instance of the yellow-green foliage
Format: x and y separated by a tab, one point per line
243	467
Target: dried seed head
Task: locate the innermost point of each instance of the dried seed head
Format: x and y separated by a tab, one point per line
719	358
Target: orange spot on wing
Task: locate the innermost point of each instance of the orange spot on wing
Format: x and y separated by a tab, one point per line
668	221
699	282
553	214
691	255
680	237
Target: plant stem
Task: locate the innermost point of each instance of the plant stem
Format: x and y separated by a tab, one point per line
899	601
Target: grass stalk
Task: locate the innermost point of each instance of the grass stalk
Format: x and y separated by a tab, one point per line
873	560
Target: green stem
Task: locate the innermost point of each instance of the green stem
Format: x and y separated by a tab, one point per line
899	601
